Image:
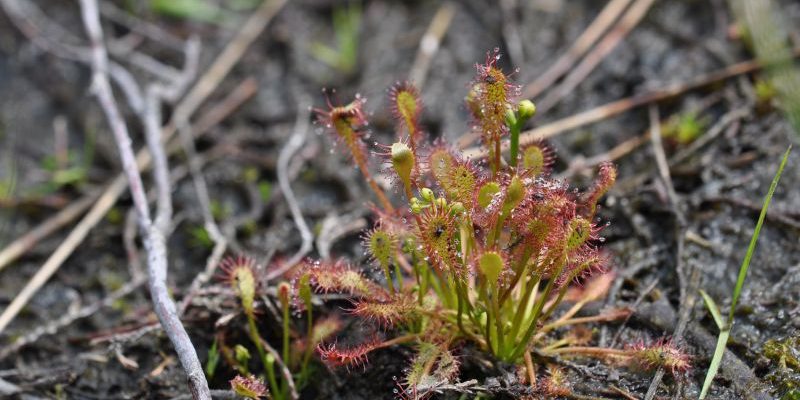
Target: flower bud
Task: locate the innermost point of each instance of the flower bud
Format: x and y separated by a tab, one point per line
403	162
525	110
241	354
427	195
284	294
416	208
457	208
511	118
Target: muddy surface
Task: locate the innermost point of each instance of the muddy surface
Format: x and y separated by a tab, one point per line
720	185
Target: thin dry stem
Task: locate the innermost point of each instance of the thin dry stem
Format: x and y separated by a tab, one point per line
204	200
292	146
429	44
617	107
627	22
153	237
116	187
582	44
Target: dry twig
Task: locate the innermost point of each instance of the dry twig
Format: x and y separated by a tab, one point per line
620	106
204	200
632	17
429	43
687	288
152	231
582	44
292	146
204	86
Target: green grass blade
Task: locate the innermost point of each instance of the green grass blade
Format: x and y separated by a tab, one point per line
725	332
751	248
713	309
196	10
715	362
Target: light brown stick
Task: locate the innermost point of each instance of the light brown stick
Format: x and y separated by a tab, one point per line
25	242
620	106
632	17
211	79
429	43
582	44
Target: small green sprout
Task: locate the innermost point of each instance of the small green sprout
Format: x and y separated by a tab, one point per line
346	27
684	128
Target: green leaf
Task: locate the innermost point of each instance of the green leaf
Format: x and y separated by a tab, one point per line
752	247
725	333
197	10
713	309
491	265
213	360
715	362
265	190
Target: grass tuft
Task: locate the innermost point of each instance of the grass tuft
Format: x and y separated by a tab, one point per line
725	326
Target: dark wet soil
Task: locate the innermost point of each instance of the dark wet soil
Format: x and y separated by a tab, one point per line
721	187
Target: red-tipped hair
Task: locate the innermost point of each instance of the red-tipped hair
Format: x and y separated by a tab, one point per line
406	105
355	356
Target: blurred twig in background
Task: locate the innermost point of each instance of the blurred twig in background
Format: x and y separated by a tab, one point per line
767	34
154	231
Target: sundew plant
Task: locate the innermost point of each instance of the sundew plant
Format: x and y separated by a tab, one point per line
480	251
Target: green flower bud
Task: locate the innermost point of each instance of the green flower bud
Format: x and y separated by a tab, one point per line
511	119
427	195
525	110
403	162
416	207
241	354
457	208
